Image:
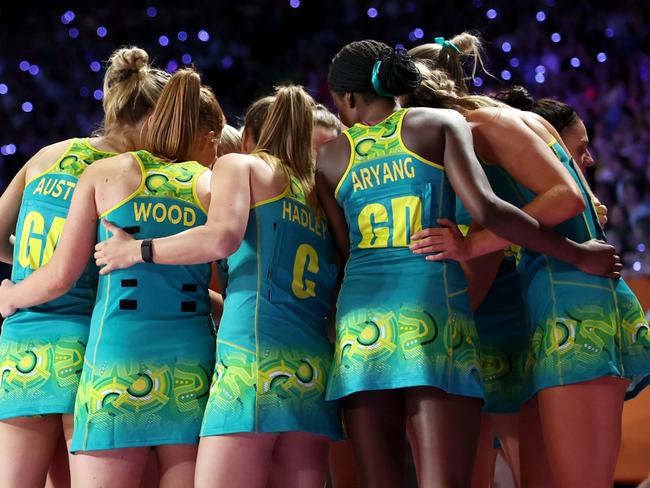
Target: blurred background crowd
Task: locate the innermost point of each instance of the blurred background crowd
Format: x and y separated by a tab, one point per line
593	55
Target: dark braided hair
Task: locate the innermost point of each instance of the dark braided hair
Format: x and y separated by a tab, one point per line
351	69
558	114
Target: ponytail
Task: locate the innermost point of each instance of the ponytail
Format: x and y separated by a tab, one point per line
450	56
438	90
183	108
285	137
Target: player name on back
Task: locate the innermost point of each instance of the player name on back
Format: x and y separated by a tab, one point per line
55	187
299	214
382	172
161	212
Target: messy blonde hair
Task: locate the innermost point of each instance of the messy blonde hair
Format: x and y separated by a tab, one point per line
230	141
468	48
438	90
324	118
131	88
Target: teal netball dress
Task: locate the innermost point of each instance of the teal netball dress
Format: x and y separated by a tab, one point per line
150	354
502	331
582	326
273	357
401	321
42	348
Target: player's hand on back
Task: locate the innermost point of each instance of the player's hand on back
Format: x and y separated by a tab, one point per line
119	251
444	242
599	258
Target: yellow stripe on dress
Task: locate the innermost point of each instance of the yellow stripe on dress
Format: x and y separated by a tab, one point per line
408	151
350	164
135	193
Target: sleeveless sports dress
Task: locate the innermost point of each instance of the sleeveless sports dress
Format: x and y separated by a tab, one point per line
582	326
42	347
273	355
401	320
150	353
502	331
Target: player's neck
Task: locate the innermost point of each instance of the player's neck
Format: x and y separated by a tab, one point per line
376	112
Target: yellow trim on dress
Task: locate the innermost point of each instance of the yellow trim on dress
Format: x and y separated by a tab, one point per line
284	193
408	151
197	200
464	229
138	190
99	338
579	284
458	292
258	250
350	161
43	173
235	346
86	142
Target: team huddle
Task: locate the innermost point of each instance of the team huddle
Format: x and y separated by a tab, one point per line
235	301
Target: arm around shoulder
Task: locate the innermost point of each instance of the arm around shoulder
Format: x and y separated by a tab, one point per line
223	232
503	138
220	236
465	172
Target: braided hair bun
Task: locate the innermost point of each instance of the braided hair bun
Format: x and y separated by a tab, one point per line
351	69
397	73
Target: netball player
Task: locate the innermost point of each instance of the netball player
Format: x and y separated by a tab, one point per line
406	342
146	376
42	347
267	400
585	339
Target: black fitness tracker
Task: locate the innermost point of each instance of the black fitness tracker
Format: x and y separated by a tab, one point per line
146	249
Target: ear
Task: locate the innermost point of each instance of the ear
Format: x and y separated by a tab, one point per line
350	99
214	139
247	145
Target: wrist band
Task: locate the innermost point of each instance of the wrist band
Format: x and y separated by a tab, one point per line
146	250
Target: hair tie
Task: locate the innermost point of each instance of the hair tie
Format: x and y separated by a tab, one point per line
376	84
446	44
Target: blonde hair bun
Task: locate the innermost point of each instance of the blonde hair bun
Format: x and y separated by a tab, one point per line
131	86
467	43
125	62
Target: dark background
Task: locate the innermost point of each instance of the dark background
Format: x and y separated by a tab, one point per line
254	45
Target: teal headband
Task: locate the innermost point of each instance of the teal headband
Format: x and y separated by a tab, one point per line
376	84
446	44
